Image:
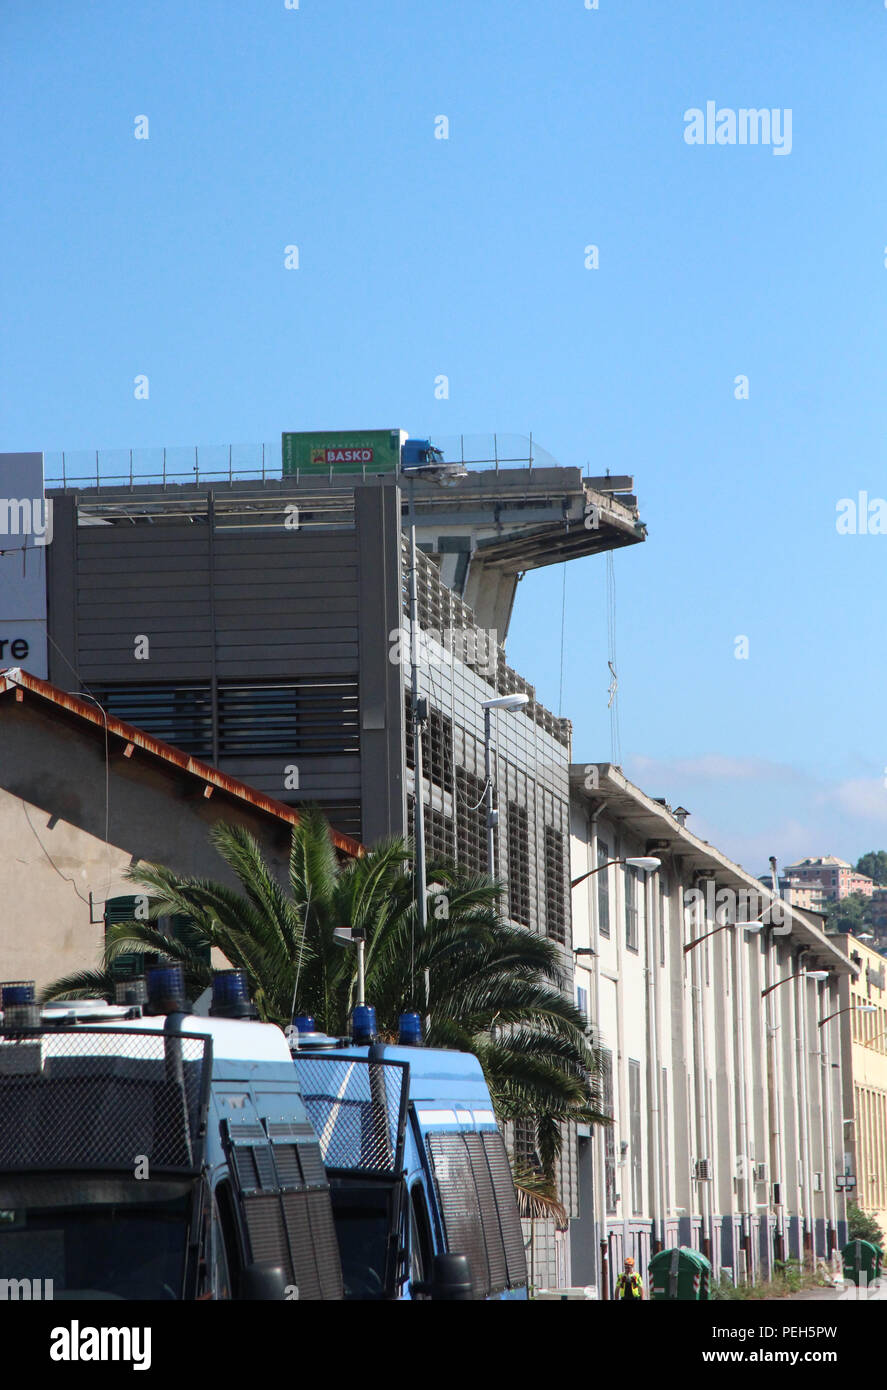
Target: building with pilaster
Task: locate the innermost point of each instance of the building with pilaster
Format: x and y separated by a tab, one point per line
706	993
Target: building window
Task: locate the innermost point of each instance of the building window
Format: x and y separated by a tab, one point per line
437	745
518	864
177	926
555	897
471	818
663	900
603	889
180	714
609	1135
634	1107
631	907
526	1159
666	1141
440	835
582	1001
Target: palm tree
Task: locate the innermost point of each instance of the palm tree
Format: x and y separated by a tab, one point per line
494	989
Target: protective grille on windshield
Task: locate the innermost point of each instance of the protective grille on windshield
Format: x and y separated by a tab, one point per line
121	1100
480	1208
358	1110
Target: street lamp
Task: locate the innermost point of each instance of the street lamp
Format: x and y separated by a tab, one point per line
850	1008
350	936
508	702
756	924
818	975
637	861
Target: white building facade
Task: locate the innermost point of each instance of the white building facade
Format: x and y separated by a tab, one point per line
725	1092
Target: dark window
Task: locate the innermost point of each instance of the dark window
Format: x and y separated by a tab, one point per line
176	714
518	864
609	1135
631	908
437	745
308	717
663	900
555	897
526	1159
440	839
471	818
603	889
634	1109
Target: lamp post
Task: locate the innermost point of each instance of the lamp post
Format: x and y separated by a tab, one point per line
801	975
638	861
509	702
849	1008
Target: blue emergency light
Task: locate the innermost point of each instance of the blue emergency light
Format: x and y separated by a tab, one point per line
363	1024
410	1030
19	1007
166	990
231	995
305	1024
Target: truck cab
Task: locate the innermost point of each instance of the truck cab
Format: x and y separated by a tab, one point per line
158	1156
417	1169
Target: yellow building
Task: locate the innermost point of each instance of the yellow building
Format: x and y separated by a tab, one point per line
864	1058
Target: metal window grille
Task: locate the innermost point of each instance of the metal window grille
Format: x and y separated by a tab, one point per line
471	813
180	714
178	926
94	1099
308	716
526	1159
479	1208
518	864
440	834
555	895
437	746
284	1196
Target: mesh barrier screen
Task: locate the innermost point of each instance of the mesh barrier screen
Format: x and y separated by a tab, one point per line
87	1098
479	1208
357	1109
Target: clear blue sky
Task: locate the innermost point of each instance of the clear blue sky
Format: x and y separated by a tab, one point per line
464	257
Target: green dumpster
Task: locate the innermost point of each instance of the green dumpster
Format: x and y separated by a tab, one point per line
680	1274
862	1262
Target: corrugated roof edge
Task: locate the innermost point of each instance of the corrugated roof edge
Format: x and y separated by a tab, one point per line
15	678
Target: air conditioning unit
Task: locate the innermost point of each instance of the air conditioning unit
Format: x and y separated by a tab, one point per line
702	1170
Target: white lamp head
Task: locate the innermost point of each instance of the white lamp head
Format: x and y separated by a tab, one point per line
511	702
643	861
817	974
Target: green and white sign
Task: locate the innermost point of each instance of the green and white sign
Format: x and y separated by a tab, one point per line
343	451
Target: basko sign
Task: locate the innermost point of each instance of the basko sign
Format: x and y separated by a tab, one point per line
345	451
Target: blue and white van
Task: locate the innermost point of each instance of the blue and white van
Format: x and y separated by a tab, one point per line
417	1167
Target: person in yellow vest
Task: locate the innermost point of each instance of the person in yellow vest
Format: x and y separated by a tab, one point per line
630	1285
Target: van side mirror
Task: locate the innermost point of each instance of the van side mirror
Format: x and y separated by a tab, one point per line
263	1283
451	1278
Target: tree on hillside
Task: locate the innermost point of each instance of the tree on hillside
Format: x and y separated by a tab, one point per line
851	914
874	865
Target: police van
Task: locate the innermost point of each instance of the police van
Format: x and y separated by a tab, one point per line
421	1187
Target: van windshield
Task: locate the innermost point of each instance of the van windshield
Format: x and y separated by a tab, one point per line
94	1237
363	1223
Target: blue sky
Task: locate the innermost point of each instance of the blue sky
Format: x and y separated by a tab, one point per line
465	257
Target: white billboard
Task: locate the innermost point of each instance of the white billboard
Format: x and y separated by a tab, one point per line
25	532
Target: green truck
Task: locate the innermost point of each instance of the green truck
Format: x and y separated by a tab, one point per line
358	451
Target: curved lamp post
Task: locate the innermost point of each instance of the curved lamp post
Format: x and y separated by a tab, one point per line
817	975
850	1008
638	861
